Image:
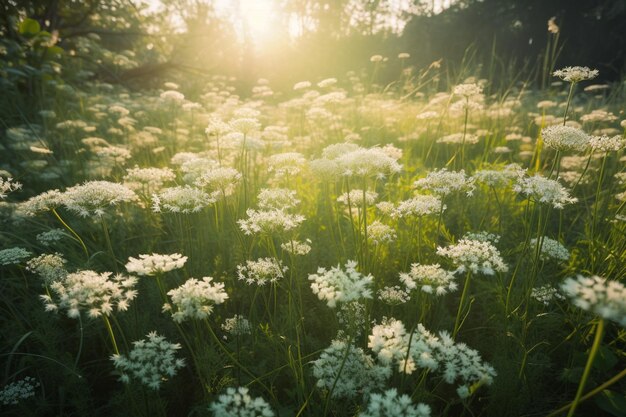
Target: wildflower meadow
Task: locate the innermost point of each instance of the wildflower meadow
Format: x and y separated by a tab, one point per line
442	241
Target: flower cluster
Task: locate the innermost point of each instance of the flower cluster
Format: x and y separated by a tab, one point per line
286	164
261	271
269	222
443	182
277	198
431	279
475	256
147	180
453	361
91	291
380	233
49	267
51	236
372	162
576	74
420	205
195	299
296	247
565	138
551	249
356	198
607	144
238	402
395	295
17	391
8	185
237	325
603	297
467	90
336	285
544	190
181	200
13	256
546	294
498	178
392	404
151	361
349	370
93	197
155	263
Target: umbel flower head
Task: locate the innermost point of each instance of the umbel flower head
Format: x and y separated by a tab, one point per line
195	299
565	138
336	285
150	361
349	370
543	190
474	256
8	185
606	298
93	197
261	271
17	391
238	402
96	293
155	263
392	404
431	279
576	74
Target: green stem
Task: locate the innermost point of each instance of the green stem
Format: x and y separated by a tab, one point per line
107	324
592	354
457	322
60	219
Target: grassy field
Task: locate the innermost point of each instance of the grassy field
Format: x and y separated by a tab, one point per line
433	246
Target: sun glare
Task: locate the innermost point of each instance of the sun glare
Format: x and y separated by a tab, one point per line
257	17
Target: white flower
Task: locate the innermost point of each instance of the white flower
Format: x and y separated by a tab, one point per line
373	162
13	256
181	200
148	180
286	164
391	404
238	402
420	205
49	267
431	279
468	90
151	361
355	198
551	249
237	325
269	222
607	144
606	298
443	182
277	199
8	185
336	285
564	138
379	233
546	294
261	271
195	299
88	290
576	74
17	391
544	190
295	247
92	198
393	295
155	263
475	256
349	370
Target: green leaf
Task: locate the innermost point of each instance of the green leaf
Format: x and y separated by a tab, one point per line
29	27
605	360
611	402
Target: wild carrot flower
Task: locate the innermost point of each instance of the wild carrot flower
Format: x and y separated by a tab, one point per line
565	138
96	293
8	185
576	74
148	180
356	199
286	164
181	200
431	279
392	404
358	373
373	162
13	256
269	222
606	298
237	325
195	299
443	182
49	267
261	271
380	233
151	361
546	294
607	144
219	181
551	249
155	263
420	205
296	247
92	198
23	389
336	285
393	295
543	190
475	256
238	402
277	198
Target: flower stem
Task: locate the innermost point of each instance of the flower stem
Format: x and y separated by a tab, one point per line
107	324
592	354
457	322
